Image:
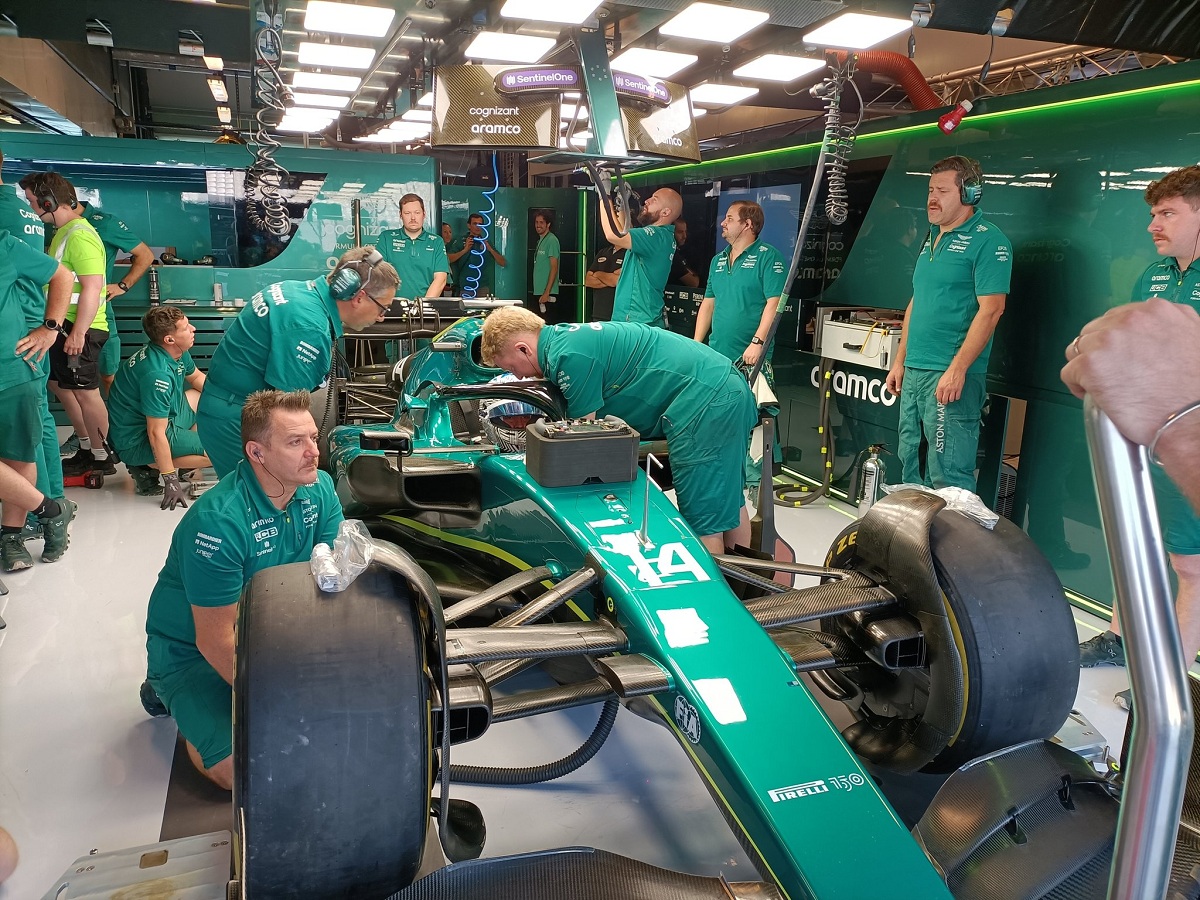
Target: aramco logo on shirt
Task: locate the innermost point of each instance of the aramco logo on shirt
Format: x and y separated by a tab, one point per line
848	384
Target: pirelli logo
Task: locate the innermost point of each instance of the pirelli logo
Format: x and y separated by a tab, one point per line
795	791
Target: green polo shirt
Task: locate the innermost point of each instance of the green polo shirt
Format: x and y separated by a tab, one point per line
23	270
417	259
117	238
19	220
80	249
547	248
231	532
280	340
464	269
972	261
654	379
148	384
739	292
1163	279
639	296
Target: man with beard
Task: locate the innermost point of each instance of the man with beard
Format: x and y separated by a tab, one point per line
959	287
650	249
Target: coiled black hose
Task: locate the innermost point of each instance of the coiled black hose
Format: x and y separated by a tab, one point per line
265	208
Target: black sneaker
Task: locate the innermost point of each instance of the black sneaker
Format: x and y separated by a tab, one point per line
106	466
32	529
153	706
79	464
1105	649
13	555
145	481
54	531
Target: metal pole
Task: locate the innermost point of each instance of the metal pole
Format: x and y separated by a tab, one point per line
1161	740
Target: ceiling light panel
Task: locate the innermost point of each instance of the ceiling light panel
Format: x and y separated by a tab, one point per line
322	82
214	63
569	12
778	67
426	99
710	22
217	87
721	94
519	48
652	63
856	31
224	114
336	56
331	101
347	18
418	115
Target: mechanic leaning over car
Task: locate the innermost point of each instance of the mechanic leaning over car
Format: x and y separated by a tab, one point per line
152	414
284	339
661	383
272	510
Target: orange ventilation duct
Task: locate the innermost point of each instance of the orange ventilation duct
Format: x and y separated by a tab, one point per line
897	67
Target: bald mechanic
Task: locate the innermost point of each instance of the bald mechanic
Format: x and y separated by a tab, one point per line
664	385
284	341
639	296
271	511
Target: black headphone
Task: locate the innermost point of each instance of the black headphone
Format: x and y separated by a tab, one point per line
46	200
347	280
970	186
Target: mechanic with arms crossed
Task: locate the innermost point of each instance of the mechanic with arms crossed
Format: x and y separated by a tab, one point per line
639	296
284	339
1174	202
272	510
959	288
664	386
153	417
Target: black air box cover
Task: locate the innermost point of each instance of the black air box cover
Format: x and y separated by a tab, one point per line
564	454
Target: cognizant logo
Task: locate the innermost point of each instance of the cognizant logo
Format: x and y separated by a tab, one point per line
857	386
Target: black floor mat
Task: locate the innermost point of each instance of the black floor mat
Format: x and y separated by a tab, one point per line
194	804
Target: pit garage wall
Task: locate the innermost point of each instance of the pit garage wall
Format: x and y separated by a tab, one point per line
1065	181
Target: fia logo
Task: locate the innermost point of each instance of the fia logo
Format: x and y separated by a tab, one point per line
687	719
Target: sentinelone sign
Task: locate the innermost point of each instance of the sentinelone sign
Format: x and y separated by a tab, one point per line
518	107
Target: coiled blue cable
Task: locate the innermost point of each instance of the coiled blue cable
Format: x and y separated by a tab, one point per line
474	268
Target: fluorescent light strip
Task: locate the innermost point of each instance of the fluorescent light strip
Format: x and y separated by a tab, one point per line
346	18
519	48
336	56
322	82
568	12
856	31
710	22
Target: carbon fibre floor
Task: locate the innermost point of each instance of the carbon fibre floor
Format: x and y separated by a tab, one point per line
82	767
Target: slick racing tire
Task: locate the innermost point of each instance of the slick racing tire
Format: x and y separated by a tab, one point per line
1009	624
332	753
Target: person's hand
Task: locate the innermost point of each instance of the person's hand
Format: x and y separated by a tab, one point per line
175	491
75	342
1137	362
468	242
35	344
950	385
895	377
751	354
113	291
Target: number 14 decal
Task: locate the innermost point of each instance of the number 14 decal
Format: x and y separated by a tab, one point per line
673	560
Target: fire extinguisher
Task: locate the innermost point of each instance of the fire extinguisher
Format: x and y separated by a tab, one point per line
871	478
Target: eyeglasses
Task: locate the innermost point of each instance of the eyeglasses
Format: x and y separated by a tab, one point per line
382	308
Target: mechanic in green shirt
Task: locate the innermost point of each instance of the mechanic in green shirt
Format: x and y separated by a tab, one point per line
19	220
959	288
547	259
22	388
153	415
1174	202
651	248
476	260
284	339
75	356
418	256
661	383
274	507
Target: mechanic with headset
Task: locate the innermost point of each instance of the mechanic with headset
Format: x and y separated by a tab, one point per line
959	286
272	510
75	356
663	385
284	339
419	256
153	416
1174	202
651	248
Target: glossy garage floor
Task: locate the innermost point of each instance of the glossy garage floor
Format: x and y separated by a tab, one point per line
83	768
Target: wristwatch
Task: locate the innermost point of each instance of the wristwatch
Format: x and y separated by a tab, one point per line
122	285
756	340
52	325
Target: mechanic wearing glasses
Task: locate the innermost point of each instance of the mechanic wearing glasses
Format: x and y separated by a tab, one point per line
661	383
284	340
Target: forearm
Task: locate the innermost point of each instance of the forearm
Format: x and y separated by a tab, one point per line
767	319
1176	450
58	298
89	305
902	346
160	447
498	257
704	318
219	653
196	380
437	285
690	279
142	259
978	335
